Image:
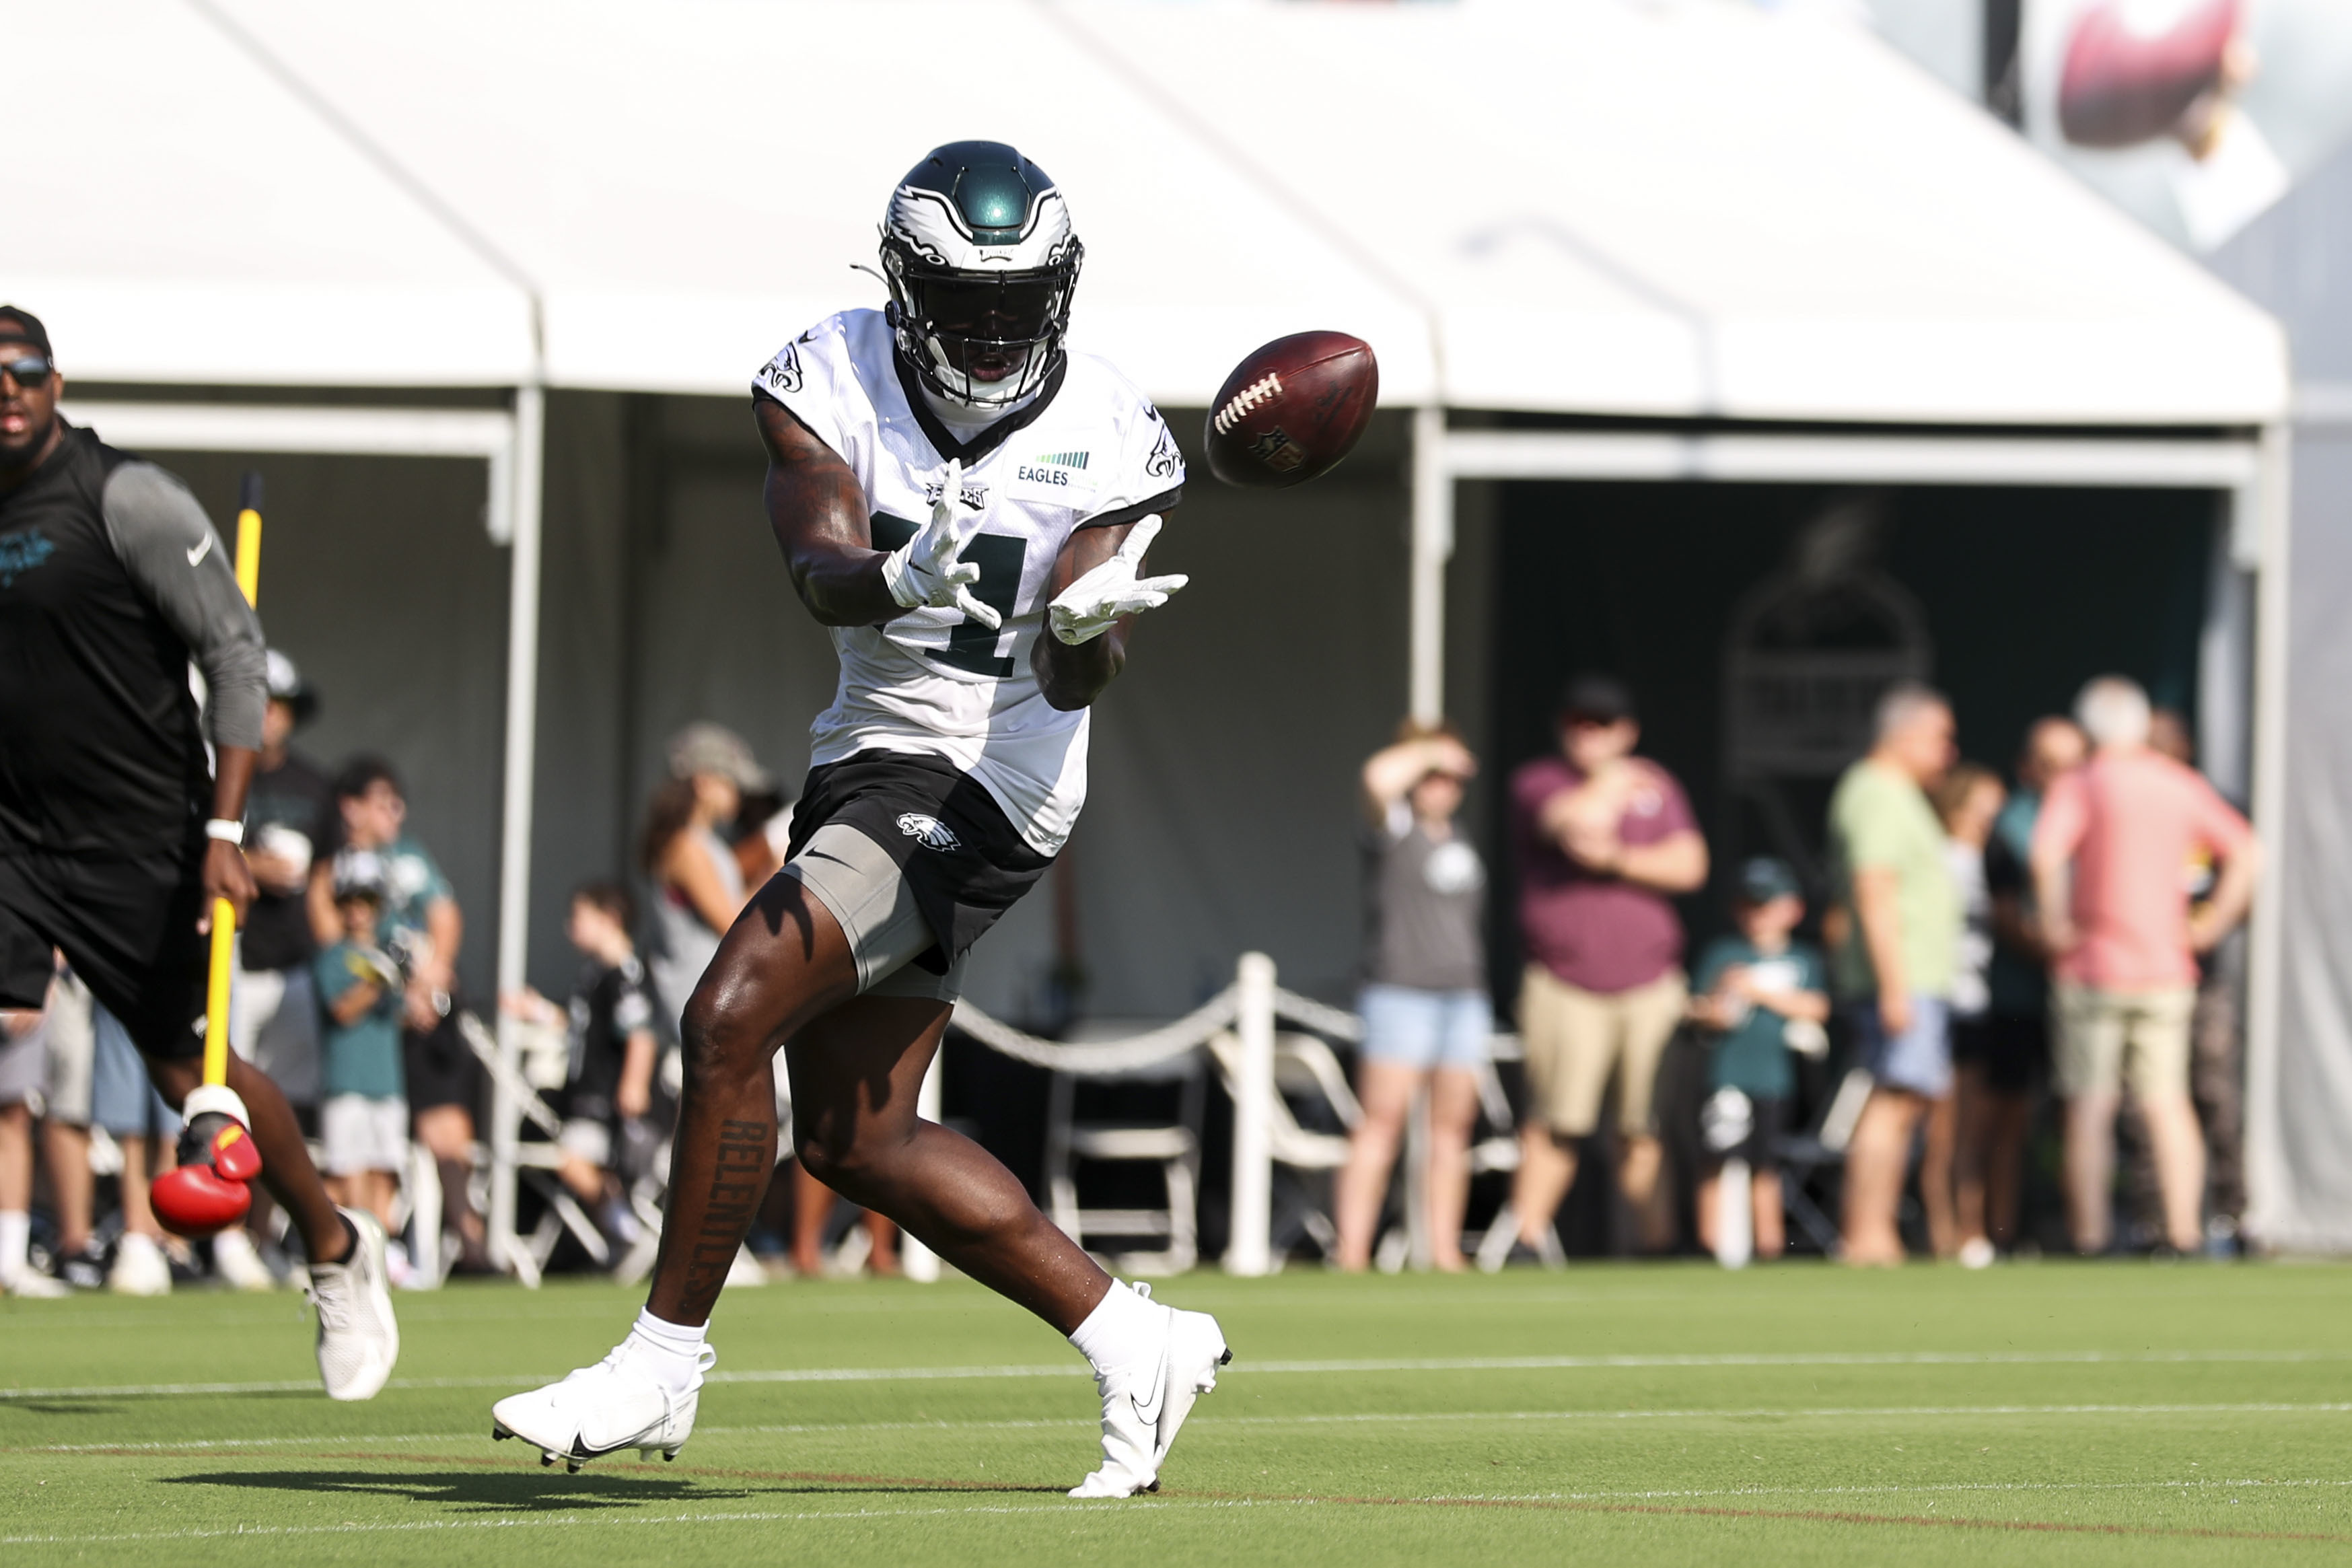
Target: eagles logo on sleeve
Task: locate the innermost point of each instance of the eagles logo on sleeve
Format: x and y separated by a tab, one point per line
781	374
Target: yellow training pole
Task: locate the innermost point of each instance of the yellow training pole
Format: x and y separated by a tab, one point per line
224	954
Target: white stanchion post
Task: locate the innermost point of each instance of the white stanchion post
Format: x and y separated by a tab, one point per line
1250	1249
918	1262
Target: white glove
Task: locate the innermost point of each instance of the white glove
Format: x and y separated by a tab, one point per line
1091	605
928	570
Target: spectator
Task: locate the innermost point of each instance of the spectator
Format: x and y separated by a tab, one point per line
1426	1016
1757	992
422	927
1998	1064
125	1104
698	884
700	888
1968	801
22	1060
607	1138
290	822
2216	1047
2110	852
68	1032
364	1121
1894	969
1601	838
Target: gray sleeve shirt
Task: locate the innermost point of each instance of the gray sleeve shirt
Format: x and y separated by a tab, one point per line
169	549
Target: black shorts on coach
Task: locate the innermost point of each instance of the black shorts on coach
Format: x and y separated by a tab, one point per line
129	929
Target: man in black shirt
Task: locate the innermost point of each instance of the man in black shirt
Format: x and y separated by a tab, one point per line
117	829
290	822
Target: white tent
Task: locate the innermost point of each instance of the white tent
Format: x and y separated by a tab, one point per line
183	217
1762	247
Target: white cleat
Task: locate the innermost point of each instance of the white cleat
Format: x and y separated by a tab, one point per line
620	1402
359	1338
238	1262
140	1267
32	1285
1145	1403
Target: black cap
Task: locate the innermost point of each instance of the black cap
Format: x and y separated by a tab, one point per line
1767	877
1603	697
23	326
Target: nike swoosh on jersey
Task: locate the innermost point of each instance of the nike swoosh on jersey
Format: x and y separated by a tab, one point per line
201	549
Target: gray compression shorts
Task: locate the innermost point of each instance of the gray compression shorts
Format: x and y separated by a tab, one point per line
852	876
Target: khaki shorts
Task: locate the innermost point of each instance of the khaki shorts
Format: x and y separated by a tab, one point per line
1575	1040
2110	1039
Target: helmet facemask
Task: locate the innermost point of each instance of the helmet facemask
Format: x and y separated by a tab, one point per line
984	340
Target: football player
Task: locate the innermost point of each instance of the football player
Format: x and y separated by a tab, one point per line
967	504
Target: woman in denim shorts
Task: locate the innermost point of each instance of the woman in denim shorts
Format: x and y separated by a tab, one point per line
1424	1004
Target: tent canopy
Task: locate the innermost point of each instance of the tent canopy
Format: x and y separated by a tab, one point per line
1699	208
183	217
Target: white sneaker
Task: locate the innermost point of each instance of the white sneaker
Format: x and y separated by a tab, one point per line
238	1262
359	1338
34	1286
1975	1252
1145	1402
620	1402
140	1267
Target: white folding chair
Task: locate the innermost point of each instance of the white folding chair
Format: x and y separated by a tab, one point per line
1174	1147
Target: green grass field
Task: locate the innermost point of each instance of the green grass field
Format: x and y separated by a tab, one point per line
2118	1414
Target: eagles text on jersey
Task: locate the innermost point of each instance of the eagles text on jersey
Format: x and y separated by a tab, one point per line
1088	451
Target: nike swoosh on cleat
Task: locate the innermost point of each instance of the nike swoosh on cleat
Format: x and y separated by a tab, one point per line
1149	1415
201	549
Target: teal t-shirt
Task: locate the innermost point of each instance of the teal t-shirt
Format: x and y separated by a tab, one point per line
362	1057
1754	1057
415	882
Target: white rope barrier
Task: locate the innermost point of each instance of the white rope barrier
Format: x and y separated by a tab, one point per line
1101	1058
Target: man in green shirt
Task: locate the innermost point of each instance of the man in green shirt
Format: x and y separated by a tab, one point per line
1894	965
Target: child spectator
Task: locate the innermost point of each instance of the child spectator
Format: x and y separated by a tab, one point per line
364	1120
1968	800
606	1137
1753	990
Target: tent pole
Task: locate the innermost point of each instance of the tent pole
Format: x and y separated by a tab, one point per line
526	468
1433	546
2271	1199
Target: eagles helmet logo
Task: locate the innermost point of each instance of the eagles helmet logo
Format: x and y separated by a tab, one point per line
981	262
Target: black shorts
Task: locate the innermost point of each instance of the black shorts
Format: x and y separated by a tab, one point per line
1761	1147
129	929
437	1068
950	839
2010	1052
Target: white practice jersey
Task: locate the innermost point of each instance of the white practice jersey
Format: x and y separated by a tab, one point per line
1088	451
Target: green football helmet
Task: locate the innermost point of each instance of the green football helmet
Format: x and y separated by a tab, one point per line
981	263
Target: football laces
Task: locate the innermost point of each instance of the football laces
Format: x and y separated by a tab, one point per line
1238	408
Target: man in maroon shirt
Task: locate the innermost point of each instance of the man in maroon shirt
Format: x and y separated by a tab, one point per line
1601	838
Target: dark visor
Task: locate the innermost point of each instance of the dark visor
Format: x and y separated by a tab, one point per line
1011	307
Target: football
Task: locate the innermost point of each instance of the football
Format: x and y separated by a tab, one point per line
1292	410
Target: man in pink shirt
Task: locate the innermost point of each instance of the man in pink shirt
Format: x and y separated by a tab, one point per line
2112	855
1603	840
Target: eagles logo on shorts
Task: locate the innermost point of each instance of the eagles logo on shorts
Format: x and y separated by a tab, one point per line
930	832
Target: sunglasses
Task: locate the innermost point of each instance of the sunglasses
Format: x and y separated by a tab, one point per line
31	372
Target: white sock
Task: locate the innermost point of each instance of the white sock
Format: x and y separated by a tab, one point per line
675	1351
15	1244
1124	1327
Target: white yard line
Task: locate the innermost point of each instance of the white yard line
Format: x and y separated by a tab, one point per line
1383	1418
1245	1367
